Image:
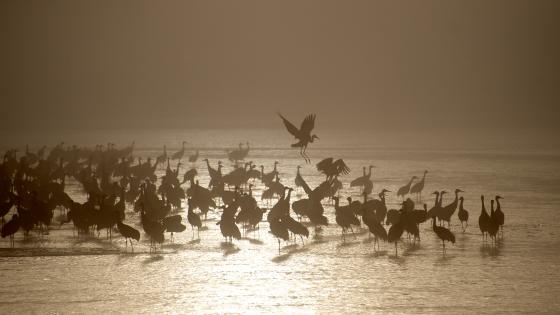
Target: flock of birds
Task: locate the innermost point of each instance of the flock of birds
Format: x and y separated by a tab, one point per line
33	186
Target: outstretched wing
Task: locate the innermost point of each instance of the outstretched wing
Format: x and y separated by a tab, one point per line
291	128
324	165
307	124
341	167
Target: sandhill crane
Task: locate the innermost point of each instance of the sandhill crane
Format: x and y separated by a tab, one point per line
493	226
446	212
298	181
420	216
162	158
345	217
303	134
279	229
395	232
443	234
128	232
295	227
374	226
179	154
418	187
499	214
154	229
194	157
404	190
267	178
193	218
483	220
332	168
173	224
227	223
10	228
363	180
463	215
435	210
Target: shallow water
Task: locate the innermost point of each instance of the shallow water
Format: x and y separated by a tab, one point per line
60	272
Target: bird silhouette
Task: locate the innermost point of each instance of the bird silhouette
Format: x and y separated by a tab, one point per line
493	226
332	168
363	180
395	232
404	190
483	220
447	212
179	154
463	215
443	234
499	215
11	228
194	157
128	232
193	218
374	226
418	187
303	134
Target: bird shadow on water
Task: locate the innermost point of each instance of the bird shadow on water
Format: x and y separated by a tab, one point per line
489	250
229	248
376	254
347	244
291	250
253	240
194	242
153	258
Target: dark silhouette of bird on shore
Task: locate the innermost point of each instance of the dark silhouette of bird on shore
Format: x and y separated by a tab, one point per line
463	215
418	187
128	232
404	190
443	234
11	228
193	218
500	217
483	220
303	134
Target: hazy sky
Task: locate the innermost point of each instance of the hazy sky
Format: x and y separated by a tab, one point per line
363	64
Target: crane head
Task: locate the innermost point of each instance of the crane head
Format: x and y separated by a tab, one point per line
313	137
499	197
458	190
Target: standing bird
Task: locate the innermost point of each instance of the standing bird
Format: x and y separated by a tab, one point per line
128	232
463	215
483	220
499	215
395	232
10	228
446	212
193	218
193	158
493	226
363	180
303	134
443	234
279	229
374	226
404	190
418	187
179	154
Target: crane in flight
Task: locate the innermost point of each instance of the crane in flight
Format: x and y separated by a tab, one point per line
303	134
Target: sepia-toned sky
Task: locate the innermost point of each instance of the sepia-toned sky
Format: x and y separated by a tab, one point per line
433	65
